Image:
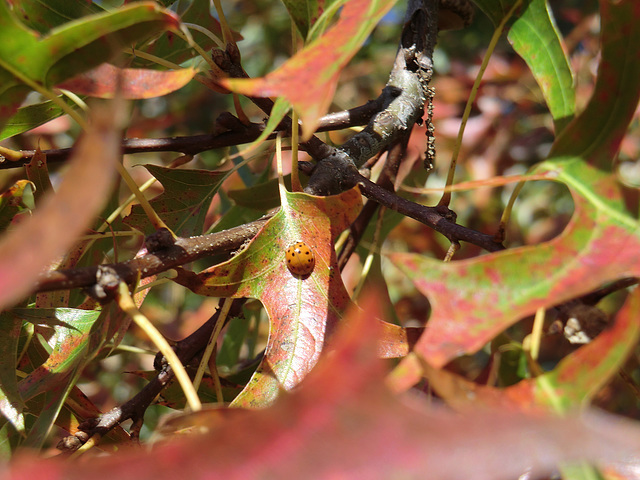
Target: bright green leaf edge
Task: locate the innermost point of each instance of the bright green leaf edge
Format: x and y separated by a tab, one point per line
536	39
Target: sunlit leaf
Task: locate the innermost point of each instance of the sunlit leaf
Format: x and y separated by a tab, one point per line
570	385
69	49
131	83
32	116
57	374
72	329
302	311
536	39
78	337
475	299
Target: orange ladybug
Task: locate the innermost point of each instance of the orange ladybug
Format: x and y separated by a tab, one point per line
300	259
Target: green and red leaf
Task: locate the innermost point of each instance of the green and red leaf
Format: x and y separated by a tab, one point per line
303	312
106	80
342	421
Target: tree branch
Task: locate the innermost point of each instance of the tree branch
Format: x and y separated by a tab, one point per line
183	251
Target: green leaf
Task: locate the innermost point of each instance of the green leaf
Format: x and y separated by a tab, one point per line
72	332
233	341
43	15
475	299
52	402
536	39
596	134
572	384
28	59
496	10
263	196
171	48
78	336
305	13
184	203
32	116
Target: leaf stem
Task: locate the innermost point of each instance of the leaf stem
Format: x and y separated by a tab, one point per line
129	307
446	197
155	219
224	312
295	177
214	38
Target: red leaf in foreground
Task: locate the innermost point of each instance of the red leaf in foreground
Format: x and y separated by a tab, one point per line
62	217
342	423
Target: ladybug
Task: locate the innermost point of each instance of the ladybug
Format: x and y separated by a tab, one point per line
300	259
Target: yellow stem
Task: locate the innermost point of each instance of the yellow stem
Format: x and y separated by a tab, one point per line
155	220
155	59
206	32
226	306
227	35
536	333
125	300
295	178
446	197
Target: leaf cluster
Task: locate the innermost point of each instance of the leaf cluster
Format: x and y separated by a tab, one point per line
515	307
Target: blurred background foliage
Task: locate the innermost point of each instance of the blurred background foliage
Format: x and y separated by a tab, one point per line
509	131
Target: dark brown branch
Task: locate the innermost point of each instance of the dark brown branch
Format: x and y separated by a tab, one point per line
403	102
356	230
193	144
440	218
184	250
